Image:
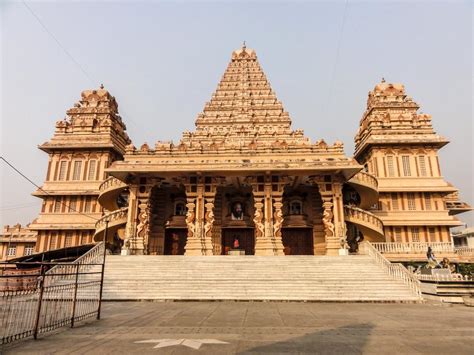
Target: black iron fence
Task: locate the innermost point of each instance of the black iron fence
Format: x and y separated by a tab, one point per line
38	297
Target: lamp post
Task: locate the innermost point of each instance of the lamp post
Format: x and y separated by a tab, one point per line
104	240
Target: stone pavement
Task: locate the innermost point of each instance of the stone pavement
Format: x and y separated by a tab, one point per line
259	327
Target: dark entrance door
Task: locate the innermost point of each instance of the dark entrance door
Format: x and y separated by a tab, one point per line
245	237
175	241
297	241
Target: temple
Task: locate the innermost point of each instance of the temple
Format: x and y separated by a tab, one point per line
244	181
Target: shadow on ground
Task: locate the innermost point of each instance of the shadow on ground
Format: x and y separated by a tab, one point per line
349	339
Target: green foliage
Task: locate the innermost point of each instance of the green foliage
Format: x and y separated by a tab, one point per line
466	269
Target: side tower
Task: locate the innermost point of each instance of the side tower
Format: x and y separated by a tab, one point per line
399	146
84	144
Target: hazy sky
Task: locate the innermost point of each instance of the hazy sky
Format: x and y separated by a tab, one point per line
163	60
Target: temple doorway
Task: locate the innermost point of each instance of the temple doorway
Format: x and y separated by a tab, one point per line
244	236
297	241
175	241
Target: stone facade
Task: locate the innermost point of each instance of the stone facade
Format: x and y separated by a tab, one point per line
16	241
399	147
84	144
244	180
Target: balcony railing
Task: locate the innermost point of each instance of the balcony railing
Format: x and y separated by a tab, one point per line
363	218
111	183
464	251
414	247
364	178
114	218
109	192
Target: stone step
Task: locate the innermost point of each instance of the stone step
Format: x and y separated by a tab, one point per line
298	278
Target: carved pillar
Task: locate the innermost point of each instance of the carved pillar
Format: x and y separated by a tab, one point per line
277	224
131	226
208	225
200	192
338	208
193	245
139	244
268	218
330	190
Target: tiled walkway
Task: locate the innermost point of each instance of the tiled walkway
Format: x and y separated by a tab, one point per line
242	327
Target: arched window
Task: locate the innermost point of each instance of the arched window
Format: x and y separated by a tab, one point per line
296	208
180	209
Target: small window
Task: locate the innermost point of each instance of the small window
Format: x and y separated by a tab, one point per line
395	206
57	205
62	170
29	249
406	165
88	204
296	208
68	241
415	234
432	234
72	204
11	251
54	241
92	167
76	175
390	165
411	201
428	201
180	209
422	161
398	235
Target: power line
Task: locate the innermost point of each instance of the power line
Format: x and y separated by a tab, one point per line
76	62
41	189
336	61
58	43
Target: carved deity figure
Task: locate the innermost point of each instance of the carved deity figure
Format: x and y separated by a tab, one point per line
143	224
190	219
209	220
327	219
277	219
257	220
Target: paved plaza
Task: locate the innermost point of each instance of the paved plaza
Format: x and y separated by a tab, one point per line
259	327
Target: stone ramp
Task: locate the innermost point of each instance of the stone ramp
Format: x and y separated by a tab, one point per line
251	278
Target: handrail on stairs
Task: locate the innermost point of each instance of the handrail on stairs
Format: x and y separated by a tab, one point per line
396	270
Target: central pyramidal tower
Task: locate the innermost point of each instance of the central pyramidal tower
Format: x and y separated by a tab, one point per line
244	109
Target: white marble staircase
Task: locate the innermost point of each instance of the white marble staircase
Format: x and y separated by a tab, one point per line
297	278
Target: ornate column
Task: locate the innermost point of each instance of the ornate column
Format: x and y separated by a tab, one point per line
200	192
268	217
330	190
208	225
193	245
131	220
140	242
340	228
278	223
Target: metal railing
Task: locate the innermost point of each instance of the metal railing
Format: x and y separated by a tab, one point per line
397	271
62	294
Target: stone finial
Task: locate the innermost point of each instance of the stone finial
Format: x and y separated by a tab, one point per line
102	86
383	80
